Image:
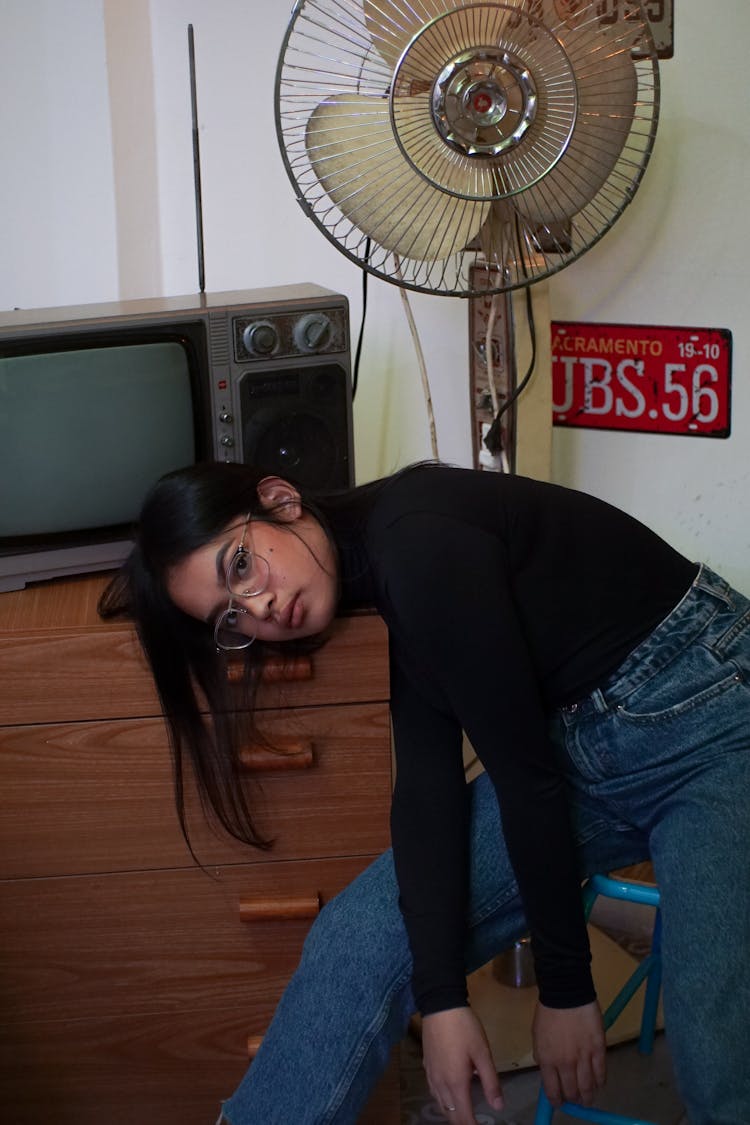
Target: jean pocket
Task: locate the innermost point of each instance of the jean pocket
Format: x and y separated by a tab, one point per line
677	695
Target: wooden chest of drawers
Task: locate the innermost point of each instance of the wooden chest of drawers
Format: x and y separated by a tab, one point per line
133	981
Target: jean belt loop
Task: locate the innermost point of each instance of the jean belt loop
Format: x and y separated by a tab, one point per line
600	703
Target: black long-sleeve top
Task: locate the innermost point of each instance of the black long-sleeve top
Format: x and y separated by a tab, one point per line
505	598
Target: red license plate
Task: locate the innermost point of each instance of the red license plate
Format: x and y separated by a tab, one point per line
642	378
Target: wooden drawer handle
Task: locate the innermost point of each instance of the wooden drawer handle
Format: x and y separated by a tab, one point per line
294	670
279	909
285	754
253	1045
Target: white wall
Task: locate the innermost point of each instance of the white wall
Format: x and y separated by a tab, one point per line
678	256
97	202
58	233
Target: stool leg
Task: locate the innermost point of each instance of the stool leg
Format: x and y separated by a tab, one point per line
653	991
544	1114
627	992
544	1110
601	1116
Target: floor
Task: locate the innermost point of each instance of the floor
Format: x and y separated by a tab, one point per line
641	1086
636	1085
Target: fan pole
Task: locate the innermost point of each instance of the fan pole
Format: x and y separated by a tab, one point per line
526	427
492	375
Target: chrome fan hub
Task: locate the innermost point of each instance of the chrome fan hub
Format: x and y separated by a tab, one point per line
484	101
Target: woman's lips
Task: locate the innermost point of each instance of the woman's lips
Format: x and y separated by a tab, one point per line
293	613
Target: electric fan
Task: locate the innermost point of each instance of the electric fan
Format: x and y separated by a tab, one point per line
427	137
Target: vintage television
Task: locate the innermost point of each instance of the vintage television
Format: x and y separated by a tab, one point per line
98	401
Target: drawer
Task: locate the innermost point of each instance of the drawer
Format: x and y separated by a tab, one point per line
115	989
96	797
140	943
67	674
137	1070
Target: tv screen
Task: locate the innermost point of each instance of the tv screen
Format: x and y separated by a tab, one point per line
106	423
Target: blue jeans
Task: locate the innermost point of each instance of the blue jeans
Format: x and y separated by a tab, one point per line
658	765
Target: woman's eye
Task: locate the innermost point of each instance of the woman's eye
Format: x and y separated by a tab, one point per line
241	564
232	619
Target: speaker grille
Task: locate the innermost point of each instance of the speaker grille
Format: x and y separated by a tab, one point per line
219	336
296	423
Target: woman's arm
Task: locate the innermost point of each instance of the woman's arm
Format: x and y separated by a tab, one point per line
429	837
462	662
462	651
430	834
430	844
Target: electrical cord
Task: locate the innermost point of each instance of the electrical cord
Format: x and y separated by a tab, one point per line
417	346
489	356
420	363
358	353
493	437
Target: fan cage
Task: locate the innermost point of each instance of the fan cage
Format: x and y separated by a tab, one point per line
333	51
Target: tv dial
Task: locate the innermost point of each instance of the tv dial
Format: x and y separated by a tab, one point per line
261	338
312	332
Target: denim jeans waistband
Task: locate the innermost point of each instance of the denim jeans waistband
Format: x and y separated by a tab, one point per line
707	597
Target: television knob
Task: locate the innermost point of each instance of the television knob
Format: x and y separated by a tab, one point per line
225	416
260	338
226	440
312	332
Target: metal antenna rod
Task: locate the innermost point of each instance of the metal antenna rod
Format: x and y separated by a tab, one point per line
196	163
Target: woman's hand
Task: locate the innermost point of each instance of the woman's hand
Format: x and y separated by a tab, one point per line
454	1048
570	1049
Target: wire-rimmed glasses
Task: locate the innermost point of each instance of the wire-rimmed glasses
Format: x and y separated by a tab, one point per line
247	576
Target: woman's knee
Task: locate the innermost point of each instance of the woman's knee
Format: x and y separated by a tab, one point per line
362	925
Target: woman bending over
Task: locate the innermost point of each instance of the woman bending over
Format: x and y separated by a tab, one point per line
601	678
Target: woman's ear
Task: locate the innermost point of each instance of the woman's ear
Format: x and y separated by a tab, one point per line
279	497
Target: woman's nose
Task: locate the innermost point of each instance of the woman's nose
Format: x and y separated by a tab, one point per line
260	607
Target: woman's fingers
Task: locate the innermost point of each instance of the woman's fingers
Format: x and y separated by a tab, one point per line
552	1085
457	1108
455	1048
587	1081
487	1073
570	1048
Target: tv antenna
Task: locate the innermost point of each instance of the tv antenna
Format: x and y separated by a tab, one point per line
196	162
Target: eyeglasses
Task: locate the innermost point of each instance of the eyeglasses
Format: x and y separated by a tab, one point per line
247	576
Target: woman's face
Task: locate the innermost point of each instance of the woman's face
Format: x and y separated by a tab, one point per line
302	591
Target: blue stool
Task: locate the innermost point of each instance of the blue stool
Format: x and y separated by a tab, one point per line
649	970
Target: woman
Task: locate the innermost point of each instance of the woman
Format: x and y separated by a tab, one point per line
602	680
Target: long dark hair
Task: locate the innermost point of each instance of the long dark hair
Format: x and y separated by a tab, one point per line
184	511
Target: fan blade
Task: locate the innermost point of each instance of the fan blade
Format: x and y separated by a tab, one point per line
351	146
392	24
607	84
